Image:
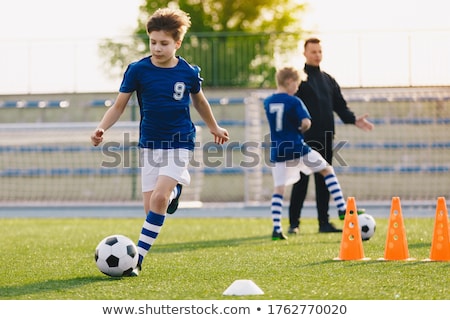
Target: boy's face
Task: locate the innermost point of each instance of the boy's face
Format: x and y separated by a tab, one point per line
291	86
163	47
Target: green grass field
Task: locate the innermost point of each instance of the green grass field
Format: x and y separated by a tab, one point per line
53	258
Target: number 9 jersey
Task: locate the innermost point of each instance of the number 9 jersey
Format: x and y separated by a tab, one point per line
163	95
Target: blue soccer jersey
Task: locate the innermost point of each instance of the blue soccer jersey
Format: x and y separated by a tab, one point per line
285	114
164	98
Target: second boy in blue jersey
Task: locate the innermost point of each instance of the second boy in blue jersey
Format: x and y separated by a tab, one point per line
288	119
164	84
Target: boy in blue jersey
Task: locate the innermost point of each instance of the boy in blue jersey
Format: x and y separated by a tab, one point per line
288	119
165	84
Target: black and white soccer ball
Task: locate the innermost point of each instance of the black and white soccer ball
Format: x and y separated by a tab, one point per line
368	225
116	256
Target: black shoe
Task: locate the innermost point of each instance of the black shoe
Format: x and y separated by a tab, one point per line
293	230
136	271
173	205
278	236
342	213
328	228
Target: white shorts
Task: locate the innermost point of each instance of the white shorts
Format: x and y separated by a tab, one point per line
288	172
164	162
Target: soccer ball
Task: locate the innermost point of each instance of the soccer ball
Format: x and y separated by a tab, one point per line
116	256
367	225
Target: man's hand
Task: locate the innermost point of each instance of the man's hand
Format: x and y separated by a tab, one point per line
364	124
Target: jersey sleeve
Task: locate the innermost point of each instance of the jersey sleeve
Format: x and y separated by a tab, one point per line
302	111
129	81
197	80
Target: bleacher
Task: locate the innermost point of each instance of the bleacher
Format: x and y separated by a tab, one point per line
407	153
41	104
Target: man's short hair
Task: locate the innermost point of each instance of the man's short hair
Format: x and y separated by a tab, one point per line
311	40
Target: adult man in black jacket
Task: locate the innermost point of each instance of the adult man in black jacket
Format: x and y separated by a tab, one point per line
322	96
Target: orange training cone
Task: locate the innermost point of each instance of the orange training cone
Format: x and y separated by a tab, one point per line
396	247
351	243
440	245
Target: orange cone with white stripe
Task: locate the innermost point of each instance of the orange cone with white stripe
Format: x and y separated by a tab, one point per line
440	245
396	247
351	243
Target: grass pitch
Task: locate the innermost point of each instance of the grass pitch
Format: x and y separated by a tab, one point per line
198	259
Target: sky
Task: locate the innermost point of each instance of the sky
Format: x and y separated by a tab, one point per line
30	30
56	19
363	16
383	42
51	45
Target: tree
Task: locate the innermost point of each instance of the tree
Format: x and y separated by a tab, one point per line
254	31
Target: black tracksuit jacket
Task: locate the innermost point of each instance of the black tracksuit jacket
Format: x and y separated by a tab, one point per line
322	97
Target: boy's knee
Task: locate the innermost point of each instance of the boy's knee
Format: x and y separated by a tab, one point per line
327	170
160	198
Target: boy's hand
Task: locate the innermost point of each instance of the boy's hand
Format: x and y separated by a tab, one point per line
220	135
97	136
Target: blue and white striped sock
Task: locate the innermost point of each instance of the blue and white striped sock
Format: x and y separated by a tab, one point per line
334	187
150	230
277	209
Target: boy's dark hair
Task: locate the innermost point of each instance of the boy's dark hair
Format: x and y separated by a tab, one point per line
174	21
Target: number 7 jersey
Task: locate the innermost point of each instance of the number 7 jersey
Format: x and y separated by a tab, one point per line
285	114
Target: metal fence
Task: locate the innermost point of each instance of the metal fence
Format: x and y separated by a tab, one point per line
231	60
